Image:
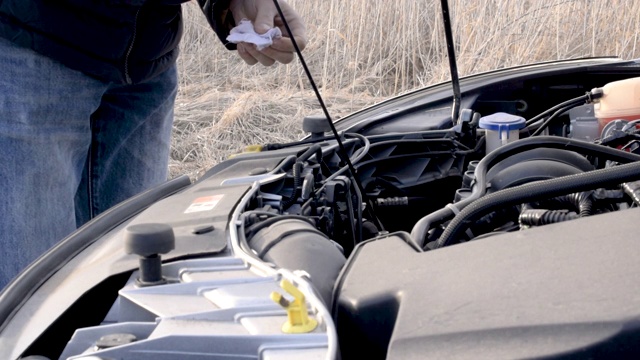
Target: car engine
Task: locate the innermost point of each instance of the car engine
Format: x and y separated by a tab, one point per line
400	240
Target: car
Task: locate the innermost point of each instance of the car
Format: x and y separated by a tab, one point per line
497	224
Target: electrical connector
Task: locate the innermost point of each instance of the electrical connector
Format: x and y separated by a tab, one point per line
594	94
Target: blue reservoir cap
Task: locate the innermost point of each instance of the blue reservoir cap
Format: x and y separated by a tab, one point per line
502	122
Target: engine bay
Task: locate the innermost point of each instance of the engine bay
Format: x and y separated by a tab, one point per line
439	226
434	189
418	182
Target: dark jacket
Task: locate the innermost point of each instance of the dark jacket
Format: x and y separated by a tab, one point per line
122	41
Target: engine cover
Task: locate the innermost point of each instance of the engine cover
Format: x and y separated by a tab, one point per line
517	295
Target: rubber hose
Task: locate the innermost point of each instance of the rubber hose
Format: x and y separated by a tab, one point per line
253	229
285	164
538	217
319	155
556	114
297	181
574	101
582	201
312	150
422	227
552	142
533	191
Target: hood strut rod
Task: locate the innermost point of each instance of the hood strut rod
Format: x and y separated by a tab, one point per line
455	81
342	152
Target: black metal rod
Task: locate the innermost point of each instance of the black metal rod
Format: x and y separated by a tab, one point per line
455	80
342	153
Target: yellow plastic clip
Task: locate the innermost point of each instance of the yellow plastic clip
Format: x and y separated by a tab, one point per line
248	150
298	321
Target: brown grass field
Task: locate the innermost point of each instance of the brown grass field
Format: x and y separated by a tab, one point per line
363	51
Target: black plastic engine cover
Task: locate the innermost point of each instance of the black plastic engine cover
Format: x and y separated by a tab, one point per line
568	290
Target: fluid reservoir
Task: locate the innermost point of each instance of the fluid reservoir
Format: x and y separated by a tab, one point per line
501	129
620	100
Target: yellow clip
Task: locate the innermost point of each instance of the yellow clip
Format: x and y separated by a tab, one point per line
248	150
253	148
298	321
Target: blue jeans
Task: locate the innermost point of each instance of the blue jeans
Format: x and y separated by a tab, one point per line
71	147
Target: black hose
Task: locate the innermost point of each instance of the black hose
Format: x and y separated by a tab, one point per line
552	142
312	150
422	227
278	146
297	181
574	102
617	139
352	221
479	145
284	164
539	217
582	201
251	230
536	190
359	155
319	155
242	233
546	123
359	220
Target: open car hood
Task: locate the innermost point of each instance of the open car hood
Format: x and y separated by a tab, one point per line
357	281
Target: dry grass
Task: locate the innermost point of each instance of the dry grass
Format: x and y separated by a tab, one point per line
362	51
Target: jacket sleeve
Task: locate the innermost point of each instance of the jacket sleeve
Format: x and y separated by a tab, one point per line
220	18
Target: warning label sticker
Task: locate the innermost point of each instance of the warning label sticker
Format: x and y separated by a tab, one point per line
204	203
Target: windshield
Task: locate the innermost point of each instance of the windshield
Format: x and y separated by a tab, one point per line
361	52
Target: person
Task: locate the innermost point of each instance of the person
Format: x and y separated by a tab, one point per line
87	90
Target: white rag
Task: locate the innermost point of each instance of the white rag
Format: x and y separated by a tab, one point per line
244	32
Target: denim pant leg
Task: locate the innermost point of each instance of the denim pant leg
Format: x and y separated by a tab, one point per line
44	139
71	147
130	145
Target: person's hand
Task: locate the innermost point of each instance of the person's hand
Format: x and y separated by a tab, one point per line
264	16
